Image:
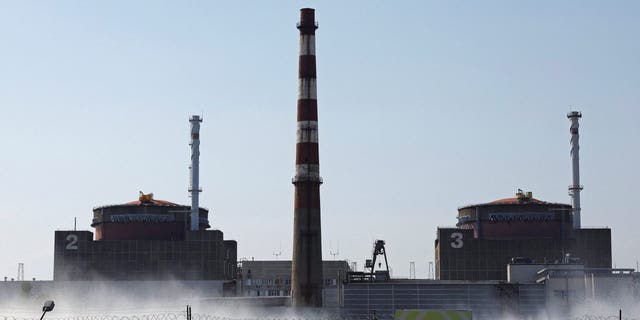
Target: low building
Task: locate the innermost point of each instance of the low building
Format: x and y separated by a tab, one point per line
574	287
532	291
485	299
273	278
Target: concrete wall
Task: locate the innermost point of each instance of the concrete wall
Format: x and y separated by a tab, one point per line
107	293
273	278
579	288
461	256
203	255
486	299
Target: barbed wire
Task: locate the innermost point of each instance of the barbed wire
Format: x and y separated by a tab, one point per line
164	316
602	317
149	316
199	316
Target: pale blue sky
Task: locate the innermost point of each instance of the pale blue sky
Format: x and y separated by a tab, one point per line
423	106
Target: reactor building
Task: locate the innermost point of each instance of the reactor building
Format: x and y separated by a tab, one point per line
148	239
522	229
491	235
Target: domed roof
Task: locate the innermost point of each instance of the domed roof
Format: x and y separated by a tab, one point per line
518	201
520	198
148	200
145	200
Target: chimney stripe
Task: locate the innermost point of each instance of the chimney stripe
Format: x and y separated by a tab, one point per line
307	152
307	67
307	132
307	88
307	44
307	110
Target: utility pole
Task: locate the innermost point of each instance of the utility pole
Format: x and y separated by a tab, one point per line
335	253
20	271
277	254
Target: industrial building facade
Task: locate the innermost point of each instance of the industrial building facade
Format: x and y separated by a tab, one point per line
486	299
144	240
488	236
273	278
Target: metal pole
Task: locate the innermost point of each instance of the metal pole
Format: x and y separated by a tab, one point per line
195	172
575	188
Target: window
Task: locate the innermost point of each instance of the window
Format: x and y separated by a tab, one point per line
330	282
274	293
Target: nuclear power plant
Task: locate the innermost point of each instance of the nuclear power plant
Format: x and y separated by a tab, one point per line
518	256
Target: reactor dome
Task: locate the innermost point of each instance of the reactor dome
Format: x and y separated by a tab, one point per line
520	217
145	219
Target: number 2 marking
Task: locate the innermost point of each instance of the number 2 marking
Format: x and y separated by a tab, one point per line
456	240
73	242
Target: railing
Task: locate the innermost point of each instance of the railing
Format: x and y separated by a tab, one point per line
298	25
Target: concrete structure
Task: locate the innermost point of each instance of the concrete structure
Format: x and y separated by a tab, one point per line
489	235
306	273
194	188
146	239
571	286
486	299
273	278
568	289
528	272
555	290
575	187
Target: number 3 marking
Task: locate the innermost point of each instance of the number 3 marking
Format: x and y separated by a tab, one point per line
456	240
73	242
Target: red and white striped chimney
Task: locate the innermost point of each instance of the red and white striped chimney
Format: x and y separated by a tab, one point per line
306	271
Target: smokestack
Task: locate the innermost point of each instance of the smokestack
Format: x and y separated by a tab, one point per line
306	271
575	187
194	189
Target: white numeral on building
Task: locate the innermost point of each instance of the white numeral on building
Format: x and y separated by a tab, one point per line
72	242
456	240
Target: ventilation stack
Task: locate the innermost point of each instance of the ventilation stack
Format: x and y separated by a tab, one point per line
194	189
575	187
306	271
